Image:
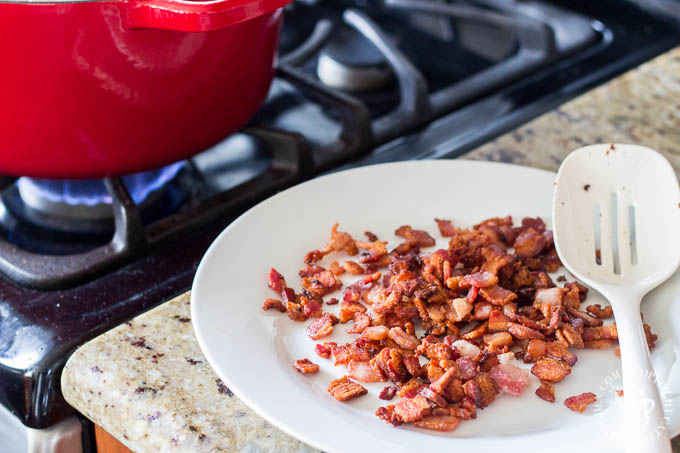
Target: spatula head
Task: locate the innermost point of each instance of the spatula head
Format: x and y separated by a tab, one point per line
616	215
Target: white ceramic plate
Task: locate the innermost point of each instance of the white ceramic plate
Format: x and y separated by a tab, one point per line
253	351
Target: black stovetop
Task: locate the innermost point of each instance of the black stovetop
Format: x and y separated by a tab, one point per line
433	106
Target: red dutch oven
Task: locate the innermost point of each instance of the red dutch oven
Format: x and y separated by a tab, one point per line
101	88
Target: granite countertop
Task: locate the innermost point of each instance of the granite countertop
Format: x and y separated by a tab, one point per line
147	383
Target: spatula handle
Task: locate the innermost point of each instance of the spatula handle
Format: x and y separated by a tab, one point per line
644	423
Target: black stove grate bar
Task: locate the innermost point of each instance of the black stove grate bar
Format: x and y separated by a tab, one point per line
290	164
321	33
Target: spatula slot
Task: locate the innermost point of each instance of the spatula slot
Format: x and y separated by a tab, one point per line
615	234
596	230
633	242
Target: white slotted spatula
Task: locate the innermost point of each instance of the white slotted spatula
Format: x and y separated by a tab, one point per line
616	224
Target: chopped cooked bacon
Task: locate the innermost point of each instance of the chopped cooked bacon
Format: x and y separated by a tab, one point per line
412	364
497	295
603	332
352	267
361	322
510	379
363	371
498	321
321	327
305	366
412	409
530	243
321	284
371	237
335	268
311	308
551	296
313	257
323	351
476	332
466	368
579	403
588	319
599	344
546	391
308	271
295	312
480	279
375	333
557	350
602	313
443	381
482	389
373	251
344	390
273	304
443	423
496	341
472	294
340	241
403	339
419	237
276	281
467	349
460	308
520	331
332	301
388	392
483	310
548	369
571	335
446	228
434	397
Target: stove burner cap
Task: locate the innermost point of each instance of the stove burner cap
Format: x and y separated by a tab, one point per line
350	62
89	199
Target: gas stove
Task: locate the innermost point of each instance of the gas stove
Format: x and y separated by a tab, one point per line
358	82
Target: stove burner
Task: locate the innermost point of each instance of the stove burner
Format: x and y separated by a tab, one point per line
89	199
350	62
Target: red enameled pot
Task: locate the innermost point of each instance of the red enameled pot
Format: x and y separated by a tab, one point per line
100	88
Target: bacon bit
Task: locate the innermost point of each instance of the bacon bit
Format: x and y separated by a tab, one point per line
483	310
495	341
321	327
617	351
305	366
480	279
467	349
443	381
352	268
388	392
340	241
412	409
403	339
477	332
498	321
313	257
311	308
602	313
321	284
530	243
434	397
579	403
557	350
588	319
344	390
412	364
597	333
446	228
374	251
619	392
651	337
442	423
497	295
371	237
419	237
510	379
572	337
375	333
552	370
467	368
472	294
520	331
460	308
546	391
332	301
295	312
311	270
273	304
349	309
599	344
335	268
276	281
363	371
361	322
482	389
323	351
551	296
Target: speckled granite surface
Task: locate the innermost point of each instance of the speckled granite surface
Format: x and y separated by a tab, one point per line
147	382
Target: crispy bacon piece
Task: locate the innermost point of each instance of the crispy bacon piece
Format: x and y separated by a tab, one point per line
442	423
446	228
321	284
467	349
390	362
520	331
546	392
412	364
273	304
388	392
498	321
603	332
481	279
361	322
311	308
599	344
412	409
308	271
482	389
496	341
305	366
460	308
602	313
419	237
466	368
510	379
375	333
323	351
403	339
571	335
550	296
335	268
344	390
443	381
352	268
579	403
433	396
548	369
295	312
276	281
497	295
363	372
530	243
373	251
332	301
588	319
321	327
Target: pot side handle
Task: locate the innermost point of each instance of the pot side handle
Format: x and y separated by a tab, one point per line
194	16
